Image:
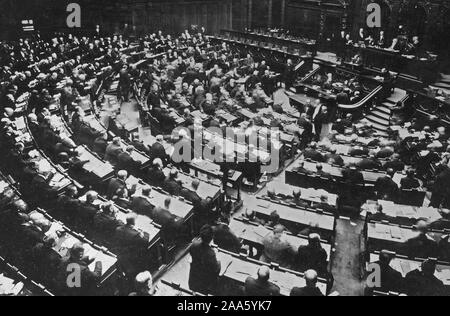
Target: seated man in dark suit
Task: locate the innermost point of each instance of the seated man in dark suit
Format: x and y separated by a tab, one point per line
312	153
353	176
443	223
386	188
277	247
45	260
121	199
87	210
156	174
105	221
395	163
422	246
301	168
225	239
141	204
139	145
89	279
324	205
261	287
191	193
68	203
313	256
117	183
113	150
157	150
334	159
131	245
172	185
391	280
370	163
170	223
321	173
385	152
100	144
423	282
126	162
359	151
297	198
410	182
311	289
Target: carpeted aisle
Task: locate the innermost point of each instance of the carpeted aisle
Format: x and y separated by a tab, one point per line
346	265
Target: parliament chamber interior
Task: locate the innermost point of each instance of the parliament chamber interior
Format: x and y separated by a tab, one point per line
225	148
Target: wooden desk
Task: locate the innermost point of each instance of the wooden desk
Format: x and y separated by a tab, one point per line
309	195
405	265
237	269
178	207
324	222
205	190
398	211
67	239
370	177
254	235
94	165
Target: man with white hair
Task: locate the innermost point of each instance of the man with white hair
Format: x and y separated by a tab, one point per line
311	289
312	256
156	174
144	285
113	150
157	150
117	183
261	287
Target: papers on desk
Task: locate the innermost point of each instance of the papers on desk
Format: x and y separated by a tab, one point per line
3	186
444	276
139	157
8	287
20	123
94	165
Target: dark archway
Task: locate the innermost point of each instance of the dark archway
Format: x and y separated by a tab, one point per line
417	21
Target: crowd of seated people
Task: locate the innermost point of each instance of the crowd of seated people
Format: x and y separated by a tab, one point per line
208	84
27	232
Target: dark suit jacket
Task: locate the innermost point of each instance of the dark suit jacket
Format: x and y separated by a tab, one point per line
106	224
409	183
114	185
313	155
191	196
205	268
419	285
391	280
88	280
258	288
306	292
156	176
141	205
387	186
126	162
172	186
422	246
157	151
129	238
311	258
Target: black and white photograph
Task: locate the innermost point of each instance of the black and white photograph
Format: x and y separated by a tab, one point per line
224	152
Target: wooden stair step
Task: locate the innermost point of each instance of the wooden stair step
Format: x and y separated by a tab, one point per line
378	120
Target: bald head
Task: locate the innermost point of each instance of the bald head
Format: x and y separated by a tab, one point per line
195	184
311	278
264	273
